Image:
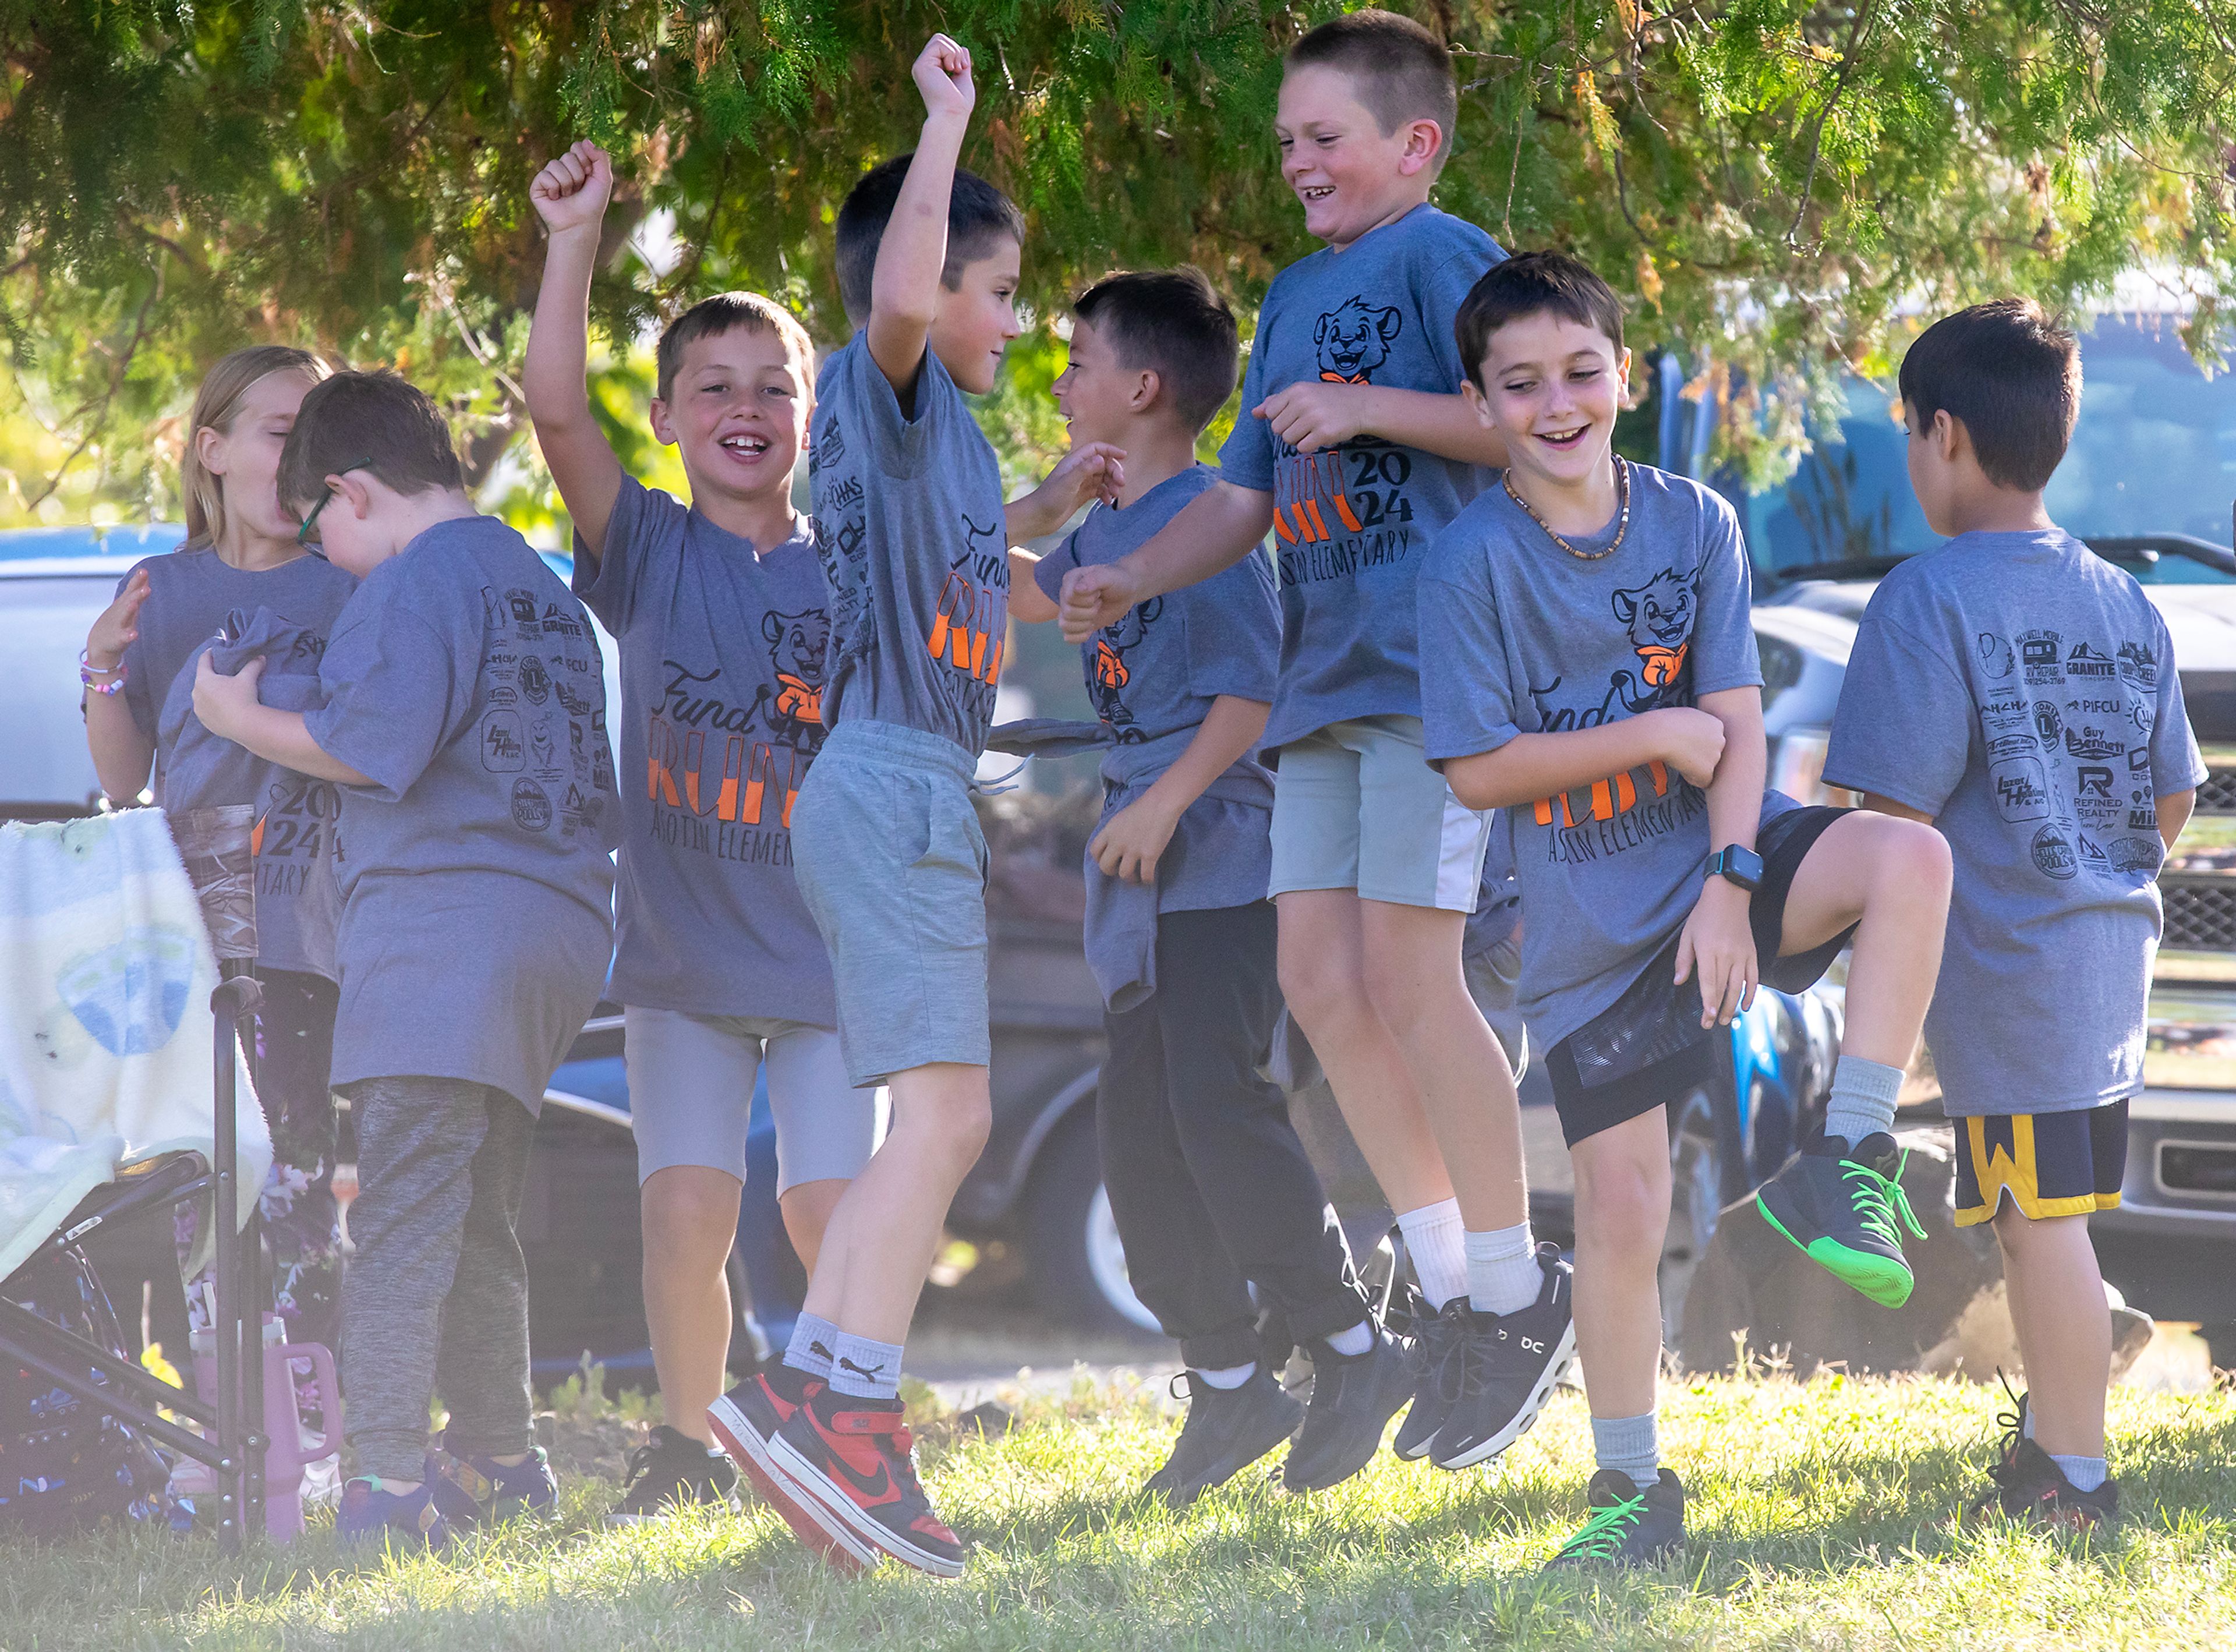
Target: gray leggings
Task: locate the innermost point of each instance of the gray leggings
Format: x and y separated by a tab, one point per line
436	1294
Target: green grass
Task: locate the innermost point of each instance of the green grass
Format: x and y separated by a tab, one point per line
1821	1514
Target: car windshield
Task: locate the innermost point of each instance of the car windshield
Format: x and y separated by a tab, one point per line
2154	455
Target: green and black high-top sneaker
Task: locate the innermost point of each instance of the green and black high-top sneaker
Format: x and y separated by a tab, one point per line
1845	1207
1628	1527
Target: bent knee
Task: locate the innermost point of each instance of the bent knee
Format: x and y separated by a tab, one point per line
1910	859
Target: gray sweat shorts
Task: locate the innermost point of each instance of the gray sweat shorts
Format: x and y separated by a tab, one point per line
892	864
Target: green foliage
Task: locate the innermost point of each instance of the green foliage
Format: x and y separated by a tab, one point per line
1777	187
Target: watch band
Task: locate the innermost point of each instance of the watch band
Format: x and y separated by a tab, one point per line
1738	866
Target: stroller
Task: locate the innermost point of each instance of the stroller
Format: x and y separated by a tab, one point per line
86	1418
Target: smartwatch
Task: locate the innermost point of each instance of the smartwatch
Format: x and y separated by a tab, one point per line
1741	866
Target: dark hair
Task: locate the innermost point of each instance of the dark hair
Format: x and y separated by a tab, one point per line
369	421
979	214
1173	323
730	313
2010	375
1402	72
1531	283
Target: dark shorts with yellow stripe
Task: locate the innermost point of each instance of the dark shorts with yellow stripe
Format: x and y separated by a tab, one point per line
2051	1164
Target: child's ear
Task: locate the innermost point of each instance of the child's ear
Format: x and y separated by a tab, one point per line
1949	436
1476	403
209	446
663	431
1622	377
355	494
1423	139
1148	386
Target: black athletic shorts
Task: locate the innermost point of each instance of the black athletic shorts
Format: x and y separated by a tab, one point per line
1649	1048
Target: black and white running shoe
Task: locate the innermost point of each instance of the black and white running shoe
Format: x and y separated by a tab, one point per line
1505	1369
1436	1341
1226	1430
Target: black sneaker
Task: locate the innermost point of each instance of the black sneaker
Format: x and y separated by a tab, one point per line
2026	1483
669	1472
1353	1399
1436	1341
1846	1209
1505	1369
1226	1430
1628	1527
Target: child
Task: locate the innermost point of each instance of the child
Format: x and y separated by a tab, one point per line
1356	449
1588	669
721	613
910	523
241	557
2019	692
1210	1186
464	723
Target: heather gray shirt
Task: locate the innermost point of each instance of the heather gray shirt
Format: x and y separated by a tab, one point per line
464	681
909	524
1352	524
721	676
1517	637
191	591
298	899
2022	691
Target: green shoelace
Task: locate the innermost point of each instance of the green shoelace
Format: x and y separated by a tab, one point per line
1879	1202
1603	1533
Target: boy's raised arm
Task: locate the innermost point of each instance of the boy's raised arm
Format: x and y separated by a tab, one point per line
570	196
1310	416
905	288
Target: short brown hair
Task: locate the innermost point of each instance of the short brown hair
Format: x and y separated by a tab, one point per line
730	313
1175	323
1401	71
1531	284
979	217
2010	375
369	421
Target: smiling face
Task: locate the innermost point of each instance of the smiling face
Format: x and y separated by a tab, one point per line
737	413
1552	388
1349	175
1096	394
244	456
977	318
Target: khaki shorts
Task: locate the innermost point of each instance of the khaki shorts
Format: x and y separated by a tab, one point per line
1356	806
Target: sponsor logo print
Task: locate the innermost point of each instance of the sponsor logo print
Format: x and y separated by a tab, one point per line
2046	723
2021	791
2053	854
2093	745
502	751
2090	851
2085	662
522	606
2136	854
557	619
531	808
2142	820
1996	657
535	681
2038	654
2139	664
2011	745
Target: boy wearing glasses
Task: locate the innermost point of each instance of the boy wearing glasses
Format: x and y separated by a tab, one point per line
464	724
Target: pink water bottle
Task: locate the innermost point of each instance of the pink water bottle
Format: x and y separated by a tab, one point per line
289	1454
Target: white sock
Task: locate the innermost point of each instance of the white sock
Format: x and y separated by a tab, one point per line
1229	1376
1502	1276
1434	1240
1353	1340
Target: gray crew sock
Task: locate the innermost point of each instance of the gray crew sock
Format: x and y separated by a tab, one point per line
813	1340
1863	1099
1631	1444
2087	1473
865	1368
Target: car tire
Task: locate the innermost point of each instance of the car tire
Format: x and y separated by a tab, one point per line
1077	1265
1698	1169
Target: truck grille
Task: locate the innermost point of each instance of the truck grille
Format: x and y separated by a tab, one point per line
2200	915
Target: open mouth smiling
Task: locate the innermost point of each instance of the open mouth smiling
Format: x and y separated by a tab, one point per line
749	447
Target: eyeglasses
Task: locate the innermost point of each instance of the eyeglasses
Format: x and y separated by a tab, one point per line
307	535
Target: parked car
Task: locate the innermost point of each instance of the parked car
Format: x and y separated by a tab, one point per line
2148	484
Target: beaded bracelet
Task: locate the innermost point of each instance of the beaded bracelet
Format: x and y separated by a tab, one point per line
86	671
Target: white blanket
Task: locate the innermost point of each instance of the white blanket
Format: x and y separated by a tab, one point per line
106	1035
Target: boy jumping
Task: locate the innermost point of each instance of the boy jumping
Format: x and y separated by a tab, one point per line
1588	669
464	723
1210	1186
2019	692
1355	449
910	526
722	614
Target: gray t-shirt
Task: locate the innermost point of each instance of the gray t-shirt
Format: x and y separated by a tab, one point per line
2022	691
1153	677
1519	637
298	899
721	676
1352	522
464	681
909	524
191	592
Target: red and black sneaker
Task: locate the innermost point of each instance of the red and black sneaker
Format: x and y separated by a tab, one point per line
745	1420
855	1458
